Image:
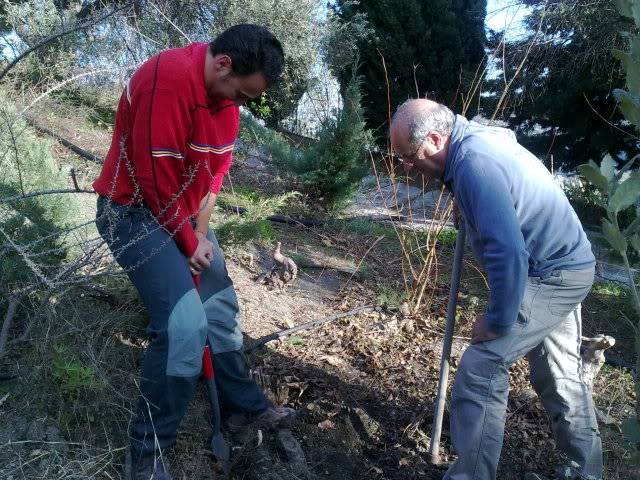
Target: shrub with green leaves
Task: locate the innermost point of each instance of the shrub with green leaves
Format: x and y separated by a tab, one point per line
332	169
621	189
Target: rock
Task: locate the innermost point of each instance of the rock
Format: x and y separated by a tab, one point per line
592	353
290	447
364	421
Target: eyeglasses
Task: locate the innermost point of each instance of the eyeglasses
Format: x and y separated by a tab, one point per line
404	158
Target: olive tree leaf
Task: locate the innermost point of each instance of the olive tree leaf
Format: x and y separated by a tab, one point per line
591	172
614	236
625	194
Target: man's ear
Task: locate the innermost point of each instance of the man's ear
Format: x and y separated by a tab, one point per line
222	64
436	140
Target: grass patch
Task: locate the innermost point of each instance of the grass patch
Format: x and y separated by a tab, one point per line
238	231
73	377
610	289
251	226
390	297
448	236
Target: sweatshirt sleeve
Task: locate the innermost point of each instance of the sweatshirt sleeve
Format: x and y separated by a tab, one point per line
161	120
219	173
483	194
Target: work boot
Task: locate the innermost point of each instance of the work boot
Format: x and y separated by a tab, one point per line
272	418
277	417
149	467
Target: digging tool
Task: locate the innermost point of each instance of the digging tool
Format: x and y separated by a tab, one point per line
219	446
436	430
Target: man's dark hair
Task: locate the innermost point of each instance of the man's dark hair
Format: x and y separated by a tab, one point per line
252	49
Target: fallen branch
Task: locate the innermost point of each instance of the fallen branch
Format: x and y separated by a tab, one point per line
305	326
14	301
71	146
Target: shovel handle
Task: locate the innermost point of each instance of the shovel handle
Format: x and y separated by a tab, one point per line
436	430
207	364
209	375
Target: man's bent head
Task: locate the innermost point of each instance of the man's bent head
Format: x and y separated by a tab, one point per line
420	131
246	60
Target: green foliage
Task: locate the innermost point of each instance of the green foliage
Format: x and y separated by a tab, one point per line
32	224
33	20
332	169
101	107
390	297
253	225
609	289
589	204
622	190
372	229
282	152
238	231
432	47
71	376
448	236
559	98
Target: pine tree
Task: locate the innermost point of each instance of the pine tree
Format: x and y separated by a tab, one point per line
430	49
562	101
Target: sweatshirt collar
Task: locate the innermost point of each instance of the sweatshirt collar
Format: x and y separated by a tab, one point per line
457	135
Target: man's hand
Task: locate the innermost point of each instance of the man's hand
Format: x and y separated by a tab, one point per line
203	255
481	332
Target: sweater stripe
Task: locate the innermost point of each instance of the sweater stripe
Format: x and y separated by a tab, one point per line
165	152
211	148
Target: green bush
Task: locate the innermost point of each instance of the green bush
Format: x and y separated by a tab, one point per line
34	224
332	169
71	376
588	203
252	226
448	237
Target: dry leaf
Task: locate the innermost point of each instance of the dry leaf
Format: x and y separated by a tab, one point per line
333	360
327	425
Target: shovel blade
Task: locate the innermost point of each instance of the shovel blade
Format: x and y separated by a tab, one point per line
222	452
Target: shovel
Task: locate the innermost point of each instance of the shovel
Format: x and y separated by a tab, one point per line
219	446
436	431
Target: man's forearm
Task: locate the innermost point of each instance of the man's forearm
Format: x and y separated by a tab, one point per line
204	214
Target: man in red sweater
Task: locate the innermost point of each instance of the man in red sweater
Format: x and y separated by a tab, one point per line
174	134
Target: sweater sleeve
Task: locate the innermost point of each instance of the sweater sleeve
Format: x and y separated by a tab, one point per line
220	172
161	121
483	194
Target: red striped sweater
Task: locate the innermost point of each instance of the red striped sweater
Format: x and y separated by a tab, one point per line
170	145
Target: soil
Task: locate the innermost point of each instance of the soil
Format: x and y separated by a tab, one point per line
363	386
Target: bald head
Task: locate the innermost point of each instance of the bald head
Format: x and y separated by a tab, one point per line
420	132
415	118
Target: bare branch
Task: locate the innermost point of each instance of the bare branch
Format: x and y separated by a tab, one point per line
44	192
79	26
14	301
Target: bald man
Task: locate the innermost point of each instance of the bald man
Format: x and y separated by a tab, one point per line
539	266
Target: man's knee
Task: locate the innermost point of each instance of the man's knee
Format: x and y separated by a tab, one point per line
478	371
187	334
